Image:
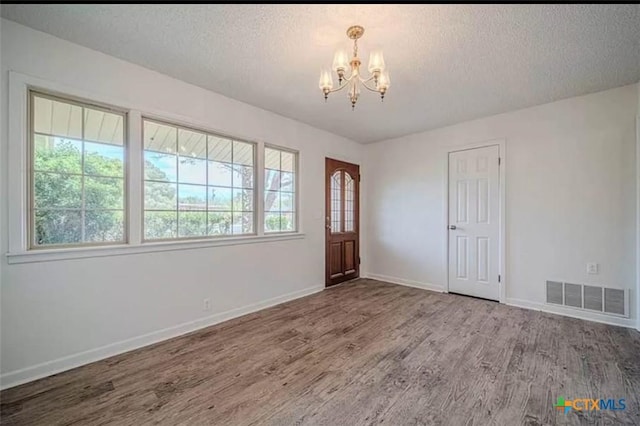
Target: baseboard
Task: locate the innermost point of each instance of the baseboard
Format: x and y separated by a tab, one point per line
28	374
408	283
573	313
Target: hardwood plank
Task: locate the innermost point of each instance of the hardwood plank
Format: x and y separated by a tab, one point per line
363	352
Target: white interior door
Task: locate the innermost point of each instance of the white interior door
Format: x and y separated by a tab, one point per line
474	214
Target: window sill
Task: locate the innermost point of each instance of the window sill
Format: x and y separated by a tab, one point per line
151	247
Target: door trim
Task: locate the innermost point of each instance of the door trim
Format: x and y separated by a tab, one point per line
502	146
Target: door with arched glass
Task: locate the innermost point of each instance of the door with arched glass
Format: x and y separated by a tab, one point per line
342	221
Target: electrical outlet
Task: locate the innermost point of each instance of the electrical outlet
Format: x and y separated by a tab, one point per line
206	305
592	268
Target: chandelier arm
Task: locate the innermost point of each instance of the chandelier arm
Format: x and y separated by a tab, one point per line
369	88
351	76
340	87
366	80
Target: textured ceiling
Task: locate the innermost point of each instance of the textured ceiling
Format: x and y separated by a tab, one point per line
448	63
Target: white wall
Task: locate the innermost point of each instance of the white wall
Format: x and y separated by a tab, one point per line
58	314
570	196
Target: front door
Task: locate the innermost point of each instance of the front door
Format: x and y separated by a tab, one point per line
342	221
474	214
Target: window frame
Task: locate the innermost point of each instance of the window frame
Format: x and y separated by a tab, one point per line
32	93
178	125
296	189
17	162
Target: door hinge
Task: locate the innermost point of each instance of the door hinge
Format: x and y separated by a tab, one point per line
499	160
359	260
499	278
359	177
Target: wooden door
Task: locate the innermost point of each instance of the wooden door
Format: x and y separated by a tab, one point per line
342	221
474	215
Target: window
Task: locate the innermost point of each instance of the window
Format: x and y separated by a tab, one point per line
77	179
342	211
71	162
196	184
280	190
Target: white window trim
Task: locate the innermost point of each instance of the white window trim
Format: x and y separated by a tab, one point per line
17	191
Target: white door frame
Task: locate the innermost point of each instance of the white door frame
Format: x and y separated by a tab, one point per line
501	143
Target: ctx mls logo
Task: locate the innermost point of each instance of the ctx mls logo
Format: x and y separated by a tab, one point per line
588	404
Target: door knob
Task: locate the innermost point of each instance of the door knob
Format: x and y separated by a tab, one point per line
452	227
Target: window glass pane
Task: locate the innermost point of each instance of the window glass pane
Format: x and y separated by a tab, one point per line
192	170
57	154
57	118
272	201
242	200
192	144
219	223
243	153
287	222
104	225
288	159
219	174
271	180
219	198
242	177
104	193
192	224
160	137
242	223
272	222
287	201
160	196
103	159
279	186
58	227
158	166
336	202
192	197
349	203
160	224
55	190
287	181
271	159
219	149
102	126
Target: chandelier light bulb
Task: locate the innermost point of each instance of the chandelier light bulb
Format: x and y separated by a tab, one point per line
376	62
340	61
384	81
326	82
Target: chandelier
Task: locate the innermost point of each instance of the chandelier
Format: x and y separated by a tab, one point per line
378	81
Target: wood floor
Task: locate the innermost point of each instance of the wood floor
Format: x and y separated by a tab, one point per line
365	352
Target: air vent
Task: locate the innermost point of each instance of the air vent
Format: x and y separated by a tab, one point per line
573	295
614	301
554	292
597	299
593	298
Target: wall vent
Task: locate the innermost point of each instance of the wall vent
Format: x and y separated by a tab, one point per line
554	292
588	297
593	298
573	295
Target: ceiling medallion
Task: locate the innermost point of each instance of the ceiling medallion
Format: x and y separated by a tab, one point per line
378	76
